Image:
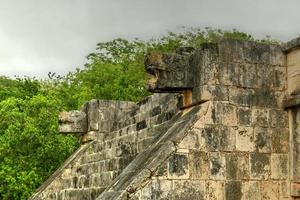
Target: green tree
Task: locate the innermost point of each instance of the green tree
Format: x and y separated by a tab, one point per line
30	147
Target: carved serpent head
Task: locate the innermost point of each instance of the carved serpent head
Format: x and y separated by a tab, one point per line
169	72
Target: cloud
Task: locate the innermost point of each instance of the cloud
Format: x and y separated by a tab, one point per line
55	35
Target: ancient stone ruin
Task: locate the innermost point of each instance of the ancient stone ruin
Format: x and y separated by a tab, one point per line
223	124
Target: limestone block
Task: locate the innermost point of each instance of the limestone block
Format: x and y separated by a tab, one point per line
227	138
178	166
71	194
157	189
278	118
277	56
217	166
248	76
244	51
265	76
198	164
280	140
262	139
209	92
237	166
266	98
280	75
293	71
95	180
93	115
284	189
191	140
227	113
295	189
259	166
233	190
83	182
244	116
210	73
215	190
269	190
73	122
251	190
294	144
245	139
260	117
242	96
96	191
191	189
210	139
162	171
279	166
229	74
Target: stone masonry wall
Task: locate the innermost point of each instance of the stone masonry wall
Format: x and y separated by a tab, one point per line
120	131
241	151
233	140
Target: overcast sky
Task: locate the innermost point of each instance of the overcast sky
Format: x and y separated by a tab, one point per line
38	36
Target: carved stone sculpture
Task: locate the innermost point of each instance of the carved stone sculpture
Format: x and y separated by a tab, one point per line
73	122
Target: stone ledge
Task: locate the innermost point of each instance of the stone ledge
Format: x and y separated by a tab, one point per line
291	101
292	44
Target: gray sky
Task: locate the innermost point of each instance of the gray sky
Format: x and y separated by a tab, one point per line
38	36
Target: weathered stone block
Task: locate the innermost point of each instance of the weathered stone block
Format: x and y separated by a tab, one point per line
83	181
251	190
188	190
279	166
229	74
278	118
178	166
227	138
266	98
162	171
215	190
198	164
260	117
157	189
95	192
265	76
93	115
210	92
237	166
262	139
280	78
244	116
248	76
259	166
245	139
280	140
242	96
227	113
295	190
284	189
233	190
191	140
210	138
217	164
277	56
270	190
